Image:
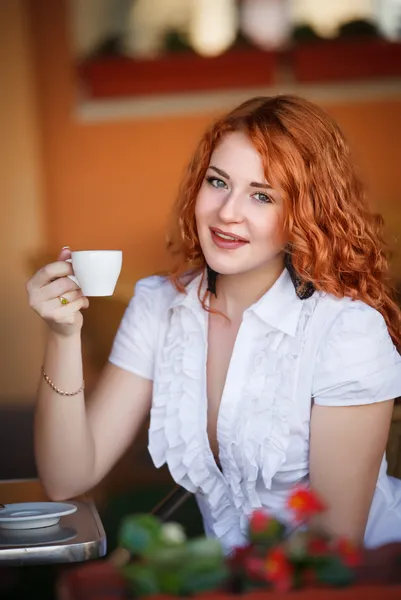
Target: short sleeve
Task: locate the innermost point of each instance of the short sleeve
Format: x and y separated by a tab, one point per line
134	345
357	362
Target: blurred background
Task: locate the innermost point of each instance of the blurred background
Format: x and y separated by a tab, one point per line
101	105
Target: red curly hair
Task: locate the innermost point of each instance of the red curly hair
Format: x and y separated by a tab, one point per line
336	242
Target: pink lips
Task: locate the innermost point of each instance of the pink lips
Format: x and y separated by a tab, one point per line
224	243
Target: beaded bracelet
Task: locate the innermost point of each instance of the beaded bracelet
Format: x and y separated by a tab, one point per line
57	390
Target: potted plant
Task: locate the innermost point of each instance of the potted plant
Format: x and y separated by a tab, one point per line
357	53
159	561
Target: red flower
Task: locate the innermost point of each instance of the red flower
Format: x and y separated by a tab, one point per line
318	547
255	568
262	526
279	570
239	556
305	504
348	551
259	521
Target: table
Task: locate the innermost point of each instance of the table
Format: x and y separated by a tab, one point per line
76	538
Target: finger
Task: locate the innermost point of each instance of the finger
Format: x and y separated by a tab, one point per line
57	288
50	272
67	313
65	299
64	253
50	310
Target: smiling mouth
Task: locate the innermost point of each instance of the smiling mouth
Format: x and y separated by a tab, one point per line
226	241
226	236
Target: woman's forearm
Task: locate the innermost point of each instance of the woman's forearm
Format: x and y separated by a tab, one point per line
64	445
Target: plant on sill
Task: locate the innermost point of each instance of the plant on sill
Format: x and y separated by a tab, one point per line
164	561
355	30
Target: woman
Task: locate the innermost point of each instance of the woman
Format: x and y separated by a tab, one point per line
266	358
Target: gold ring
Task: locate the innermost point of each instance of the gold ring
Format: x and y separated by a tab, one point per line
63	300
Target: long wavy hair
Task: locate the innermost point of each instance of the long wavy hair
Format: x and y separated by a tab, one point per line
336	242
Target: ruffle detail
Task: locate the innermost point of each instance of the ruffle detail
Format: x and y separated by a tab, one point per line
178	426
257	436
253	425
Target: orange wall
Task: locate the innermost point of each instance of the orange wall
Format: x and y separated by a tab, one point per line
111	184
21	233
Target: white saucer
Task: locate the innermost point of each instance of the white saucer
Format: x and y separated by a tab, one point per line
17	538
32	515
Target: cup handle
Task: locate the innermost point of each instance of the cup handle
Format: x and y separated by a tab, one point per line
72	277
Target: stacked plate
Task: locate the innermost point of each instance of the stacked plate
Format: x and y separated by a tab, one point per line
33	515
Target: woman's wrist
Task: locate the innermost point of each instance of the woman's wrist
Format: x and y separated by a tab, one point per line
62	363
58	336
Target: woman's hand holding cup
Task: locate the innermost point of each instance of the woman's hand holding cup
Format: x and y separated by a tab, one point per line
56	298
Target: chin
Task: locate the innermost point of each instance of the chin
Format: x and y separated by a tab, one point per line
227	262
221	266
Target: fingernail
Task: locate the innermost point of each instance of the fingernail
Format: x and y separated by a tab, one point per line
65	248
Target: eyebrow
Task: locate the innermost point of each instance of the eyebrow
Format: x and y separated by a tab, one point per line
265	186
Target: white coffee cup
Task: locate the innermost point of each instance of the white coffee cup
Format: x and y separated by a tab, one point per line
96	271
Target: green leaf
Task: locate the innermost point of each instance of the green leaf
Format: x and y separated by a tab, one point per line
139	534
202	582
273	533
205	548
296	546
334	572
169	557
141	579
203	554
170	582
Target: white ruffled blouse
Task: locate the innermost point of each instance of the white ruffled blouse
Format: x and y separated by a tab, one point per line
288	354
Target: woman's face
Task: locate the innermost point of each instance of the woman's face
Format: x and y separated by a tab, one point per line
238	213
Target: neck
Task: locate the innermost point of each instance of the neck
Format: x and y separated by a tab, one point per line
236	293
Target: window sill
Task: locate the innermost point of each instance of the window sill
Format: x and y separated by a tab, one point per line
193	103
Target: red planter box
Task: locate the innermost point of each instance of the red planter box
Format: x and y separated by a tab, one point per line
355	593
119	76
99	581
379	578
344	60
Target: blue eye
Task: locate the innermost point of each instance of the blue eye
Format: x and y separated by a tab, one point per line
262	198
216	182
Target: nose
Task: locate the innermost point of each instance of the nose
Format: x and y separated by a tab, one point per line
231	209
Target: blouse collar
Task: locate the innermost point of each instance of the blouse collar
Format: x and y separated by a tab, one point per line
279	307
